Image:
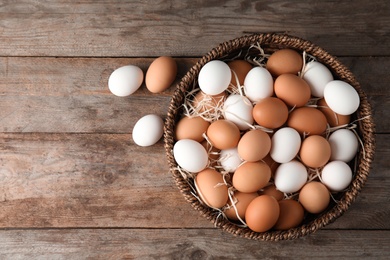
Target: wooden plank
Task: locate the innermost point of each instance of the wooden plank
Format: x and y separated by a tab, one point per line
135	29
186	244
105	180
71	94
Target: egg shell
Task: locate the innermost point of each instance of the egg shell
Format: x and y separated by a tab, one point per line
125	80
282	138
344	145
148	130
229	159
211	188
240	69
284	61
341	97
208	105
314	197
191	128
291	214
272	191
292	90
254	145
270	112
307	121
238	109
315	151
223	134
258	84
214	77
333	118
317	75
336	175
262	213
251	176
160	74
241	201
190	155
290	176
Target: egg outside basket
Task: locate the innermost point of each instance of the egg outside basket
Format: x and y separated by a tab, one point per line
235	49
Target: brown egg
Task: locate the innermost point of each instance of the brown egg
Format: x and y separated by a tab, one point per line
270	112
223	134
242	201
272	191
314	197
307	120
284	61
254	145
239	68
262	213
315	151
291	214
333	118
161	74
251	176
191	128
292	90
208	104
211	188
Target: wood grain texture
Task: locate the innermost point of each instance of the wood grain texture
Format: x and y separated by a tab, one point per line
144	28
186	244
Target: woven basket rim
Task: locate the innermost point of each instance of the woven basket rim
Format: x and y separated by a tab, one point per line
365	128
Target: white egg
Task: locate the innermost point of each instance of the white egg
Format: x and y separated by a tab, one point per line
344	145
190	155
285	145
229	159
125	80
317	75
148	130
341	97
336	175
238	109
258	84
290	177
214	77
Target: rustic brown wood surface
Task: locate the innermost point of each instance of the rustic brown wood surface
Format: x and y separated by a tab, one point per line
73	185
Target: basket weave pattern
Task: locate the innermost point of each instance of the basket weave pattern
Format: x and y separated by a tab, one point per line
271	42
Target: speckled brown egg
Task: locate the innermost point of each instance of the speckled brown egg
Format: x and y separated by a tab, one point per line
284	61
307	120
191	128
291	214
292	90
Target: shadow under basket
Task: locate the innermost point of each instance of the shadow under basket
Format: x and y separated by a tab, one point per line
238	49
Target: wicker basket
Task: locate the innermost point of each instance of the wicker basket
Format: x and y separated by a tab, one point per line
270	42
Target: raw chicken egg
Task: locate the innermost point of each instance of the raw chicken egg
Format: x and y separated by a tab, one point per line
315	151
160	74
240	69
229	159
223	134
258	84
272	191
290	176
208	105
190	155
211	188
307	121
285	137
341	97
270	112
262	213
214	77
241	201
254	145
291	214
314	197
292	90
191	128
333	118
317	75
125	80
284	61
238	109
148	130
251	176
336	175
344	145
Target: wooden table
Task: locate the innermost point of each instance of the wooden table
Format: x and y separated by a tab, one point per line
73	185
